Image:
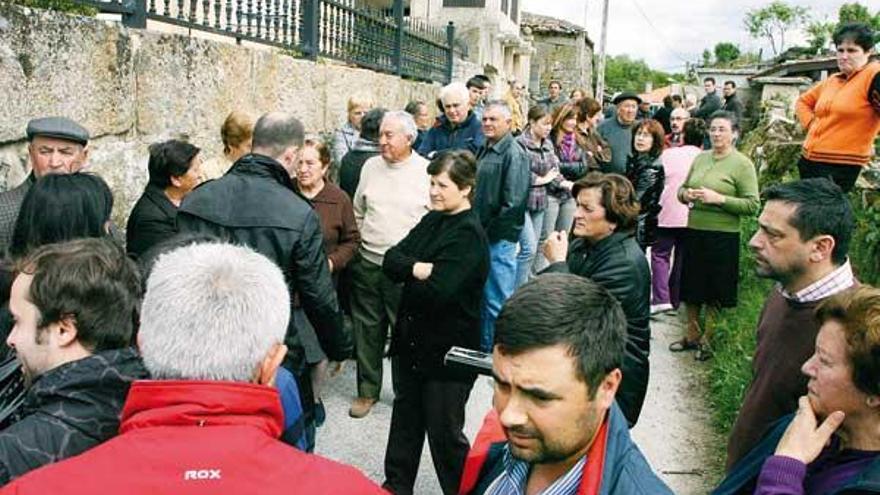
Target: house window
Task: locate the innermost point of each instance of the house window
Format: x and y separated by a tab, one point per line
504	6
514	11
464	3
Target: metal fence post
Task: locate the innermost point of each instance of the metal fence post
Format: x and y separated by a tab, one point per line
450	50
311	25
137	16
398	37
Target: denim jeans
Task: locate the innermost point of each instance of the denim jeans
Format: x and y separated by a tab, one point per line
559	215
499	286
528	246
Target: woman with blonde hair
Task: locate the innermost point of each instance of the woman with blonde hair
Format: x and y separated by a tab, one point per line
347	135
236	134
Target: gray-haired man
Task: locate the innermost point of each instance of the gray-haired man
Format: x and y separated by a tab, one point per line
391	198
213	322
503	180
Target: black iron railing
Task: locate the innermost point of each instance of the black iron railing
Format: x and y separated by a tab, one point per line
345	30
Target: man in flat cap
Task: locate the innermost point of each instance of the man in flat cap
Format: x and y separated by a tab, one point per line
57	145
618	131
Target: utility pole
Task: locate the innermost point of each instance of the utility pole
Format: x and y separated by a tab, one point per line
600	71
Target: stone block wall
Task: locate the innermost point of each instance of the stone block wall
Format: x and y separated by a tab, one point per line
568	59
131	88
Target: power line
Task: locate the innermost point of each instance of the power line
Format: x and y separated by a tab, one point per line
659	34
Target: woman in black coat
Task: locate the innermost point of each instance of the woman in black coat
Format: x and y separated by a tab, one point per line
605	251
443	263
645	170
175	169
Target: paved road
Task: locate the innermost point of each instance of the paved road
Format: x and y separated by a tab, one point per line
673	431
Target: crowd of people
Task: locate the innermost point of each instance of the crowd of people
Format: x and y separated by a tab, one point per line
189	353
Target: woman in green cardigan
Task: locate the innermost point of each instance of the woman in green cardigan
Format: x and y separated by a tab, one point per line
720	189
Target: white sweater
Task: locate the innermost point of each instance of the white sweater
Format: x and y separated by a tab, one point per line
390	200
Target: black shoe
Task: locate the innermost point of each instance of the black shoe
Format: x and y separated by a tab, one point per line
320	413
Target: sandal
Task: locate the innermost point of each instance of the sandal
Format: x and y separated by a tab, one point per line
684	345
704	352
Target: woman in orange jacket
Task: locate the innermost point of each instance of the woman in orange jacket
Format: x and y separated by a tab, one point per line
842	113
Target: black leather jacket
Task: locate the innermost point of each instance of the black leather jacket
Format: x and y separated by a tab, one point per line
503	181
256	204
647	176
68	410
618	264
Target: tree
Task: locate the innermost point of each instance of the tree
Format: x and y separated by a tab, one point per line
726	53
819	33
856	12
707	58
773	21
625	74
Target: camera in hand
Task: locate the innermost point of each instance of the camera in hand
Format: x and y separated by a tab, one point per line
469	360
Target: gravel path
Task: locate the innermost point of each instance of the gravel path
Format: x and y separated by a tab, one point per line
673	431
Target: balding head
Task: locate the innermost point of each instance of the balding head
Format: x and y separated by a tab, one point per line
279	135
677	119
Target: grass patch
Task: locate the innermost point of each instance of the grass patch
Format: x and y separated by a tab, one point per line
731	369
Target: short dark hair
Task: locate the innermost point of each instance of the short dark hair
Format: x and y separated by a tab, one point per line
821	208
731	83
667	101
556	82
859	33
694	132
484	78
91	280
411	108
657	133
371	123
677	98
709	79
725	115
618	198
560	308
461	165
476	82
275	132
61	207
169	159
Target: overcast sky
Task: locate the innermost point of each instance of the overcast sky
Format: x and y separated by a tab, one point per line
678	30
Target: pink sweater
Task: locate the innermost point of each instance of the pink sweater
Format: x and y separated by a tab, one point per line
676	164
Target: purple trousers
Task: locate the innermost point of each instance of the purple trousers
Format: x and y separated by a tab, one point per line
666	278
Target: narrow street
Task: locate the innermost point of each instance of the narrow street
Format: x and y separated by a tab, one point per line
673	432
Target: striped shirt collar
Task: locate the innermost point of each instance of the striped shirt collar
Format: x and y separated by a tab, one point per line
837	281
515	475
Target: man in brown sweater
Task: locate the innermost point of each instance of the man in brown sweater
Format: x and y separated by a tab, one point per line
801	242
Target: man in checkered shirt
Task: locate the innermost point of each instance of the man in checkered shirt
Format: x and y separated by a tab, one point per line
801	242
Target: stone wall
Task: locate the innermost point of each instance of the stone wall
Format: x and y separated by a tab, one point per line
131	88
566	58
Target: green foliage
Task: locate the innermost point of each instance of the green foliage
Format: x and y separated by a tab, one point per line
773	21
68	6
726	53
625	74
819	35
707	58
731	369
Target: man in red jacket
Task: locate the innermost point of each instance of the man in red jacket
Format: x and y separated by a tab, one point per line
212	326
